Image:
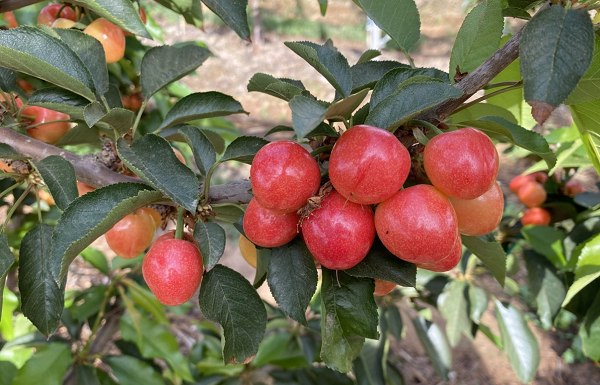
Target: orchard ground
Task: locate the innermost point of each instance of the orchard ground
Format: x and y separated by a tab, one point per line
474	362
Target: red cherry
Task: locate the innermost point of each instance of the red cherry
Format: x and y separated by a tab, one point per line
110	36
10	19
536	216
284	176
49	14
340	233
83	188
532	194
368	164
481	215
517	182
573	188
173	270
417	224
462	164
49	132
132	234
448	263
267	228
383	287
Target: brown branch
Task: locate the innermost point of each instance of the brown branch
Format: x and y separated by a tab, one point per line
11	5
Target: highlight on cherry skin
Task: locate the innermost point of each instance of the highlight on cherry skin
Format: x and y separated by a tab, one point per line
110	36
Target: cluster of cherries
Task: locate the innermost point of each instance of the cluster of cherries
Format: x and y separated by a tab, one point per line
368	167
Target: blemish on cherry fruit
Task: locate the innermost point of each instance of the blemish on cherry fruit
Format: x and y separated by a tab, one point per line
387	232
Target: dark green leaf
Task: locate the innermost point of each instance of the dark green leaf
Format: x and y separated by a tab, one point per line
366	74
556	50
58	99
86	375
292	278
263	259
164	65
279	128
8	79
519	343
587	199
92	215
59	176
6	261
7	152
381	264
515	12
435	346
349	314
323	7
7	368
399	19
547	241
394	322
153	160
201	105
80	134
228	298
47	366
478	37
453	305
588	87
131	371
90	52
204	152
368	55
227	212
369	365
323	129
113	97
233	13
589	331
490	253
211	241
120	119
123	14
328	61
279	88
97	259
93	112
271	348
243	149
478	301
345	107
588	267
307	114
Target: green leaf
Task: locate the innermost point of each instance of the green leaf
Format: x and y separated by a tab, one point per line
42	299
93	112
480	110
369	365
34	52
8	370
80	134
588	268
490	253
97	259
366	74
292	278
587	119
47	366
435	346
399	19
408	101
86	375
91	53
131	371
328	61
381	264
164	65
201	105
153	160
227	212
323	7
394	322
478	37
92	215
6	261
58	99
7	152
146	300
263	259
59	176
307	114
271	348
243	149
556	50
545	285
519	343
588	87
453	305
204	152
211	241
368	55
191	10
120	119
279	88
503	130
121	13
589	331
226	297
8	79
349	314
345	107
233	13
478	303
547	241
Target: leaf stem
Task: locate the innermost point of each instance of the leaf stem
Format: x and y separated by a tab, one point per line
206	190
37	201
4	175
410	60
488	96
138	118
321	150
14	208
8	190
422	123
180	222
499	84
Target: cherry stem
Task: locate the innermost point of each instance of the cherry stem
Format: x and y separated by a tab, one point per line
51	121
180	222
410	60
37	201
321	150
499	84
5	175
14	208
488	96
138	118
8	190
422	123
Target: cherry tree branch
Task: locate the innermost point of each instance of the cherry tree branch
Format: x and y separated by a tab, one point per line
11	5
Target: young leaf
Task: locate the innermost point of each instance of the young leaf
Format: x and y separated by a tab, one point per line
59	99
41	295
131	371
211	241
6	261
122	14
588	87
307	114
349	314
490	253
59	176
435	346
453	305
34	52
478	301
553	37
279	88
399	19
164	65
589	331
233	13
97	259
367	74
92	215
201	105
328	61
588	268
344	108
292	278
47	366
548	241
478	37
243	149
369	55
323	7
519	342
153	160
587	119
204	152
228	298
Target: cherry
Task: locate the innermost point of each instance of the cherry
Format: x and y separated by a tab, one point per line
110	36
46	197
132	102
417	224
517	182
248	250
448	263
462	164
573	188
340	233
268	228
63	23
10	19
532	194
383	287
25	86
132	234
173	269
154	214
83	188
46	132
368	164
540	177
50	13
481	215
536	216
284	176
144	20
